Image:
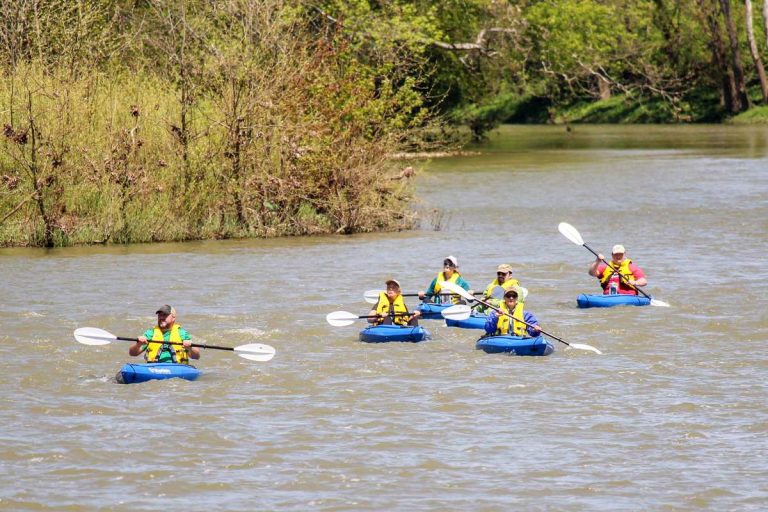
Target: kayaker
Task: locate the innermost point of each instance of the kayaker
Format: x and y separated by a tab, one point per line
609	279
494	293
499	323
155	341
390	303
449	273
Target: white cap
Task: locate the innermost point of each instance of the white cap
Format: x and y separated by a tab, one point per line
618	249
392	281
453	260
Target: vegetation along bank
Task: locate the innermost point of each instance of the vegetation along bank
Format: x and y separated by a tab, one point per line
157	120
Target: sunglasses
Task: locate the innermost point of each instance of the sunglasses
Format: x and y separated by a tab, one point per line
511	296
502	274
448	264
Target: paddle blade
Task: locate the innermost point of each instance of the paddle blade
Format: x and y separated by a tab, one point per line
255	352
457	312
659	303
570	232
458	290
94	336
341	318
372	296
582	346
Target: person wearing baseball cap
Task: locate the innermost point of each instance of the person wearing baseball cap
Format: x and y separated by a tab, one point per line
391	308
612	283
167	342
494	293
449	273
500	323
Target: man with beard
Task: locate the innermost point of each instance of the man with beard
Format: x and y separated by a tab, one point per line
167	342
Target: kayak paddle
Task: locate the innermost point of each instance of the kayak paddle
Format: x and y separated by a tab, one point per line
252	351
372	296
343	318
458	289
572	234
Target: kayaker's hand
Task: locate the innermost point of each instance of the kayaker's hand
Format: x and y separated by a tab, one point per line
536	328
632	282
421	295
187	344
600	258
416	314
142	340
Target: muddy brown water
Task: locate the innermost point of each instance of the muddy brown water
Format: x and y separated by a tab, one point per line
673	416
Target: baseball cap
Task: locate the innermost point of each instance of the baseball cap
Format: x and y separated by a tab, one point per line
392	281
167	310
452	259
618	249
504	267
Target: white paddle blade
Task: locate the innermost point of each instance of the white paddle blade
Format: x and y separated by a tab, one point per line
570	232
458	290
525	292
582	346
659	303
372	296
340	318
457	312
255	352
94	336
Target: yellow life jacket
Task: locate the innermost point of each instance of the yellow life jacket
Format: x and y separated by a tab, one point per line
384	308
502	326
157	344
623	270
441	277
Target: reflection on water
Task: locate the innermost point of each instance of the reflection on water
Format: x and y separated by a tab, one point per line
673	416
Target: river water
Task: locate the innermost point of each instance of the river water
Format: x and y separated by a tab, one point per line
673	416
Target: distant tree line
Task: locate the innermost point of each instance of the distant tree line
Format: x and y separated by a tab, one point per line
489	61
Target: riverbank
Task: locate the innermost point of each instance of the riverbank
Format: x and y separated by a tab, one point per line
627	110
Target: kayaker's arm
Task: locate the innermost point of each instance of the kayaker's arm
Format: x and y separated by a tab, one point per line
138	347
430	291
529	318
593	267
490	323
194	352
374	317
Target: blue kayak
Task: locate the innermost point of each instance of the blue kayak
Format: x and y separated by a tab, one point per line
132	373
607	301
432	311
475	321
385	333
517	345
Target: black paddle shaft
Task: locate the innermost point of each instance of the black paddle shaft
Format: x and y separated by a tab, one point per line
196	345
637	288
384	316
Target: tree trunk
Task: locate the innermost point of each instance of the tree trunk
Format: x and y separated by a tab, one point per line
725	75
741	100
755	52
604	87
765	19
